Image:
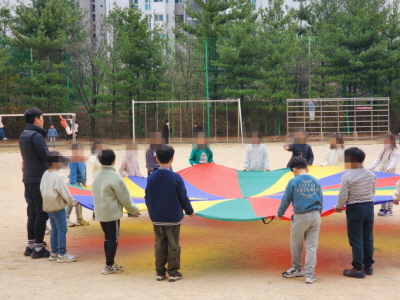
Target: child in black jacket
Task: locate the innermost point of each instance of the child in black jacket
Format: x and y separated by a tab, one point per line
300	148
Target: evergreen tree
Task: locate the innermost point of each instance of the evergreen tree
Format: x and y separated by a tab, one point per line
280	52
239	57
44	28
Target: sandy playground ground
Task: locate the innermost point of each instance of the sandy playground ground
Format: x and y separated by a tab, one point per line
220	260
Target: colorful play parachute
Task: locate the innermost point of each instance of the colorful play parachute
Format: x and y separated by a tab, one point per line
222	193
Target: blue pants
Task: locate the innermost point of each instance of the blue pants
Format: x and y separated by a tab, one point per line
360	223
58	234
2	134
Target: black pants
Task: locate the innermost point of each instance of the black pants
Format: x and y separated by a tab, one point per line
37	218
111	234
360	223
167	249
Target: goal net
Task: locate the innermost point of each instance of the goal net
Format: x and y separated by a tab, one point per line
220	120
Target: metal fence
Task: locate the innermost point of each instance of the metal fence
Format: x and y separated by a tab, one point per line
354	117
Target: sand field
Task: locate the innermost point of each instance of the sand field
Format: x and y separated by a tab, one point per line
220	260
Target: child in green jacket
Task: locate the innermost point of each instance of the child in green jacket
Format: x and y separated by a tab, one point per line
201	153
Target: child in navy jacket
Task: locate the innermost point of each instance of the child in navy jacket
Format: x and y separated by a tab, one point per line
300	148
166	198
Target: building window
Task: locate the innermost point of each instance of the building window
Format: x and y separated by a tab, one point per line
253	2
93	8
167	18
148	21
159	18
178	1
147	5
134	4
158	0
179	18
94	17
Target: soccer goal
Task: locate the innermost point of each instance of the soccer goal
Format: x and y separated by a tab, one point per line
220	120
19	125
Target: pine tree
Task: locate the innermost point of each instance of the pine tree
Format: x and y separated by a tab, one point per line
44	29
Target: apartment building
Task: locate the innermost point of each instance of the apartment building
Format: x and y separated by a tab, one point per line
164	13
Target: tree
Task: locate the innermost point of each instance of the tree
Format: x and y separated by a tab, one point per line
44	28
142	54
88	57
239	57
281	51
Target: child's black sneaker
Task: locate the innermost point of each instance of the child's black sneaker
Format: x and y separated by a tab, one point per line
40	254
174	277
353	273
28	251
161	276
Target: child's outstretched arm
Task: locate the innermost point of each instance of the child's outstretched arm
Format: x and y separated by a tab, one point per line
286	200
310	158
183	197
211	156
377	161
122	169
393	160
193	157
124	197
266	161
65	193
343	194
396	194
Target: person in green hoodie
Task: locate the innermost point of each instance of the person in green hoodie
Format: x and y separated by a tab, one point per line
201	153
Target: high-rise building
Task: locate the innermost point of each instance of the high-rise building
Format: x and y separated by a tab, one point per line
164	13
95	12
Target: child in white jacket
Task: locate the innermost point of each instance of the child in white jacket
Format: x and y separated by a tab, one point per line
256	158
335	154
388	159
56	196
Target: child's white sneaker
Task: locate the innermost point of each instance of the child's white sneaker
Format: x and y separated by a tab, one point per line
311	279
114	269
70	224
53	256
66	258
292	272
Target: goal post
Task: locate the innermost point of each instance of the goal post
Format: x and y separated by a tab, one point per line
223	117
72	115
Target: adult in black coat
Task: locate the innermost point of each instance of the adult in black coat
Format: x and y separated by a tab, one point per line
34	149
166	132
